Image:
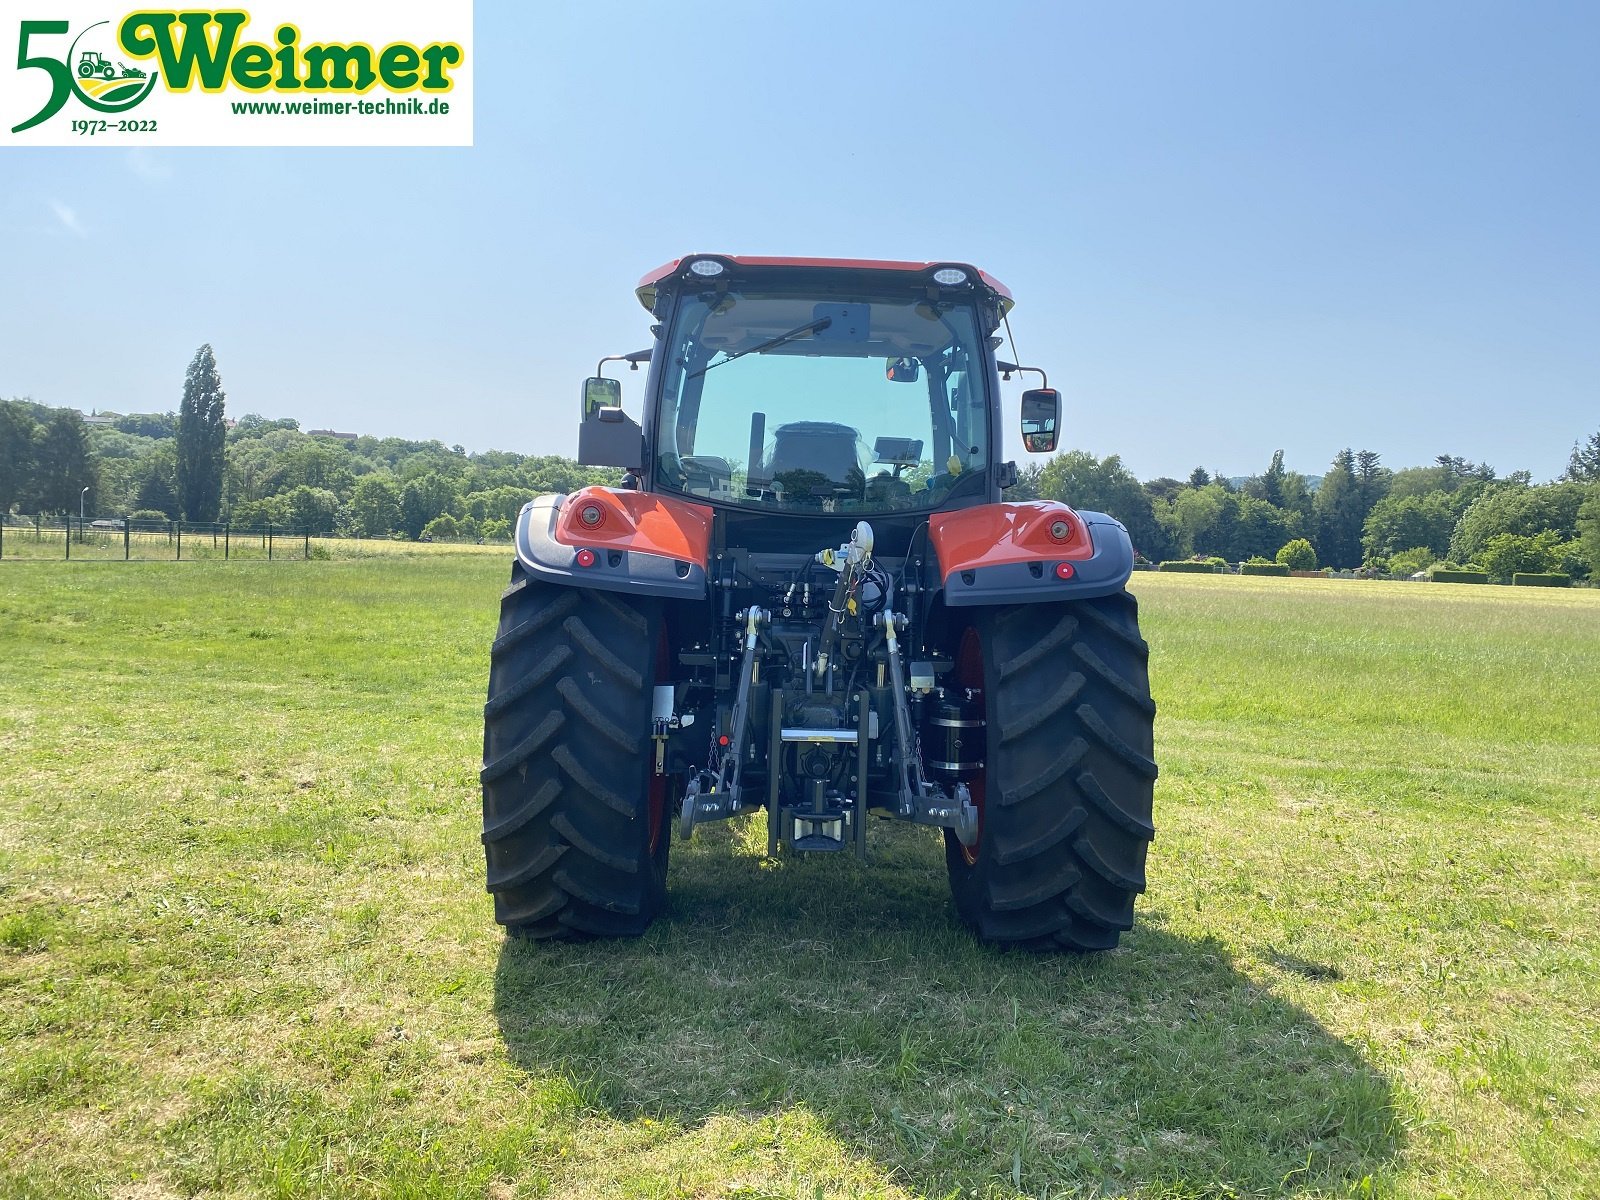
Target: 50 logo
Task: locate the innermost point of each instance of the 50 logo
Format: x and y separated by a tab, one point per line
90	71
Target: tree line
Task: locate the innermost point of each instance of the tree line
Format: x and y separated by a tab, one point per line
1359	513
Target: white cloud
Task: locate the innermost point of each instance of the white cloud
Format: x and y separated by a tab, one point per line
68	219
147	166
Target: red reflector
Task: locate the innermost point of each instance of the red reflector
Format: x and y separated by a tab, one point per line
724	740
586	558
1065	571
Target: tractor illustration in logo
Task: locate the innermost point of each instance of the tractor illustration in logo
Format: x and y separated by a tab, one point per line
94	63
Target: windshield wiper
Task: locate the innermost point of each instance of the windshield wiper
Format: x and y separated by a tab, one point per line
811	327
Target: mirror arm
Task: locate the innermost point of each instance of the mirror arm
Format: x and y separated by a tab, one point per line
633	360
1007	369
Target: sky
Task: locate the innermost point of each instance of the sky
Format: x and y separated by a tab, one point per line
1231	228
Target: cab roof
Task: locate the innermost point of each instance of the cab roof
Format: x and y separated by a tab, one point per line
647	288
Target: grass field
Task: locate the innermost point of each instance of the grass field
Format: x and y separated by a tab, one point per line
244	948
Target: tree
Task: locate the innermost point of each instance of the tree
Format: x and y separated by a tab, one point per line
18	430
313	509
1298	555
202	437
157	475
1268	485
1371	479
374	509
65	464
1524	511
1584	465
1199	477
1406	524
423	499
1338	512
1505	554
1589	528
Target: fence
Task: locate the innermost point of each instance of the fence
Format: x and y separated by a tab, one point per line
148	541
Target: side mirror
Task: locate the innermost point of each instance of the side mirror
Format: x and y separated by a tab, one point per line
1041	416
599	393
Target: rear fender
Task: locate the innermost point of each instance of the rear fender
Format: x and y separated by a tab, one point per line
644	544
1013	553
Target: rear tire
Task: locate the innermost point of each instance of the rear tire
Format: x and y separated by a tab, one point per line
575	829
1069	775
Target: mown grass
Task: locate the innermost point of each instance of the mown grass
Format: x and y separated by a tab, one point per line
244	949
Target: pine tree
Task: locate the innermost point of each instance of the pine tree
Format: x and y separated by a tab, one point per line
17	431
1272	481
1584	465
201	439
65	465
1337	509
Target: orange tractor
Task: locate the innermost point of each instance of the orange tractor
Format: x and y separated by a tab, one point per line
810	596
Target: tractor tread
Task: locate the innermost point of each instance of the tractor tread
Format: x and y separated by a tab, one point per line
1116	626
584	889
1069	757
518	634
588	783
633	619
533	911
537	865
1018	850
1016	896
587	711
580	633
1042	712
536	676
590	849
1140	764
1081	906
1086	655
525	749
531	808
1091	790
1095	861
1063	632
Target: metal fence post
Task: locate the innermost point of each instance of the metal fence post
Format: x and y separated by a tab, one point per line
127	541
69	539
227	536
308	543
180	541
269	541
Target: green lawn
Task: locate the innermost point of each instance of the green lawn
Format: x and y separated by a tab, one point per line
245	951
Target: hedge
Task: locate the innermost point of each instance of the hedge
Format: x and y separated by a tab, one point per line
1264	569
1528	579
1204	568
1460	577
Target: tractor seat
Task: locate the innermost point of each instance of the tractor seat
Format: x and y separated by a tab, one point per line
827	448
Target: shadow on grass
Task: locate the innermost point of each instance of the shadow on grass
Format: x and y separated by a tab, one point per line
850	992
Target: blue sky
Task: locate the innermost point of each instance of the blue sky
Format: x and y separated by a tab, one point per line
1230	228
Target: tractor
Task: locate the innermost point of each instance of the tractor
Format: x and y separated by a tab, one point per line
809	596
92	62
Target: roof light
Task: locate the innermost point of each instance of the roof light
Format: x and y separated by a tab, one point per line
949	276
706	268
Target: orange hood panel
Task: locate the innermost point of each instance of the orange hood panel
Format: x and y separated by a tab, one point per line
637	521
1007	533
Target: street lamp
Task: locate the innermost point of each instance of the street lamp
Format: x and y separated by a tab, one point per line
82	496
